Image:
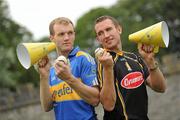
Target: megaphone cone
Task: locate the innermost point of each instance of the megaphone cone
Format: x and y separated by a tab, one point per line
29	53
157	35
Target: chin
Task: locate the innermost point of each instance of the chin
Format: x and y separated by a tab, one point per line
110	47
69	48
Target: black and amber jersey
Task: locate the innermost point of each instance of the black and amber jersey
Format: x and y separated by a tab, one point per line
130	74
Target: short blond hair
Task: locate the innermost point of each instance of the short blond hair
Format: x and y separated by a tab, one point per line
59	20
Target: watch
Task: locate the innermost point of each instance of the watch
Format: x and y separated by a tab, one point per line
155	67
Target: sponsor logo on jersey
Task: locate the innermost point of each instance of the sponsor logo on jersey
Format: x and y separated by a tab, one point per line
63	92
132	80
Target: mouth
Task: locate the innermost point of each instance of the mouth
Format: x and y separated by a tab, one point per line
67	44
108	41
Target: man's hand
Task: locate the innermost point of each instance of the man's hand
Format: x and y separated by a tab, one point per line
146	52
106	59
63	70
43	67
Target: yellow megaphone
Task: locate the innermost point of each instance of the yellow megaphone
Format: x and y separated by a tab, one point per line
157	35
29	53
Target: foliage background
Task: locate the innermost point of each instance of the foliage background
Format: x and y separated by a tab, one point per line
134	15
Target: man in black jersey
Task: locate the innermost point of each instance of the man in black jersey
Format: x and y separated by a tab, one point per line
123	76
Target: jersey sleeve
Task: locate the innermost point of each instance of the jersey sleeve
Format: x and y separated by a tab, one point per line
144	66
88	71
50	79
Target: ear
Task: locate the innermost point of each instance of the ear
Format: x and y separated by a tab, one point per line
119	29
99	41
51	38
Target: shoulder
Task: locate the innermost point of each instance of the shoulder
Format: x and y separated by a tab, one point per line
85	57
131	55
51	70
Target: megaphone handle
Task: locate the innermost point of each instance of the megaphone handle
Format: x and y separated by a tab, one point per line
139	45
156	49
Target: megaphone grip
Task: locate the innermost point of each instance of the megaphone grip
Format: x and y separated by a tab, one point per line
156	49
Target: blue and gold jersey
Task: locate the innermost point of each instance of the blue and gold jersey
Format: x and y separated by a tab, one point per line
68	105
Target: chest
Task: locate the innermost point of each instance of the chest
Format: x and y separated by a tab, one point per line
128	72
126	65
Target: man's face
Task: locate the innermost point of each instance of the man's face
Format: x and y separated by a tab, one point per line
108	35
63	37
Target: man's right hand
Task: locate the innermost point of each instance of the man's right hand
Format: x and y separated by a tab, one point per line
44	67
106	59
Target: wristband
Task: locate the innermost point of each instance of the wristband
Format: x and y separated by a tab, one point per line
154	68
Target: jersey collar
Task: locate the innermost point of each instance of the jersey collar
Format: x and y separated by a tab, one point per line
74	51
119	52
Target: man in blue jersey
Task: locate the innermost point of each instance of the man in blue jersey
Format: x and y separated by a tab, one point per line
70	89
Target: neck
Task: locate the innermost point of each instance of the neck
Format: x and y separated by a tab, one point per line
64	53
119	49
116	49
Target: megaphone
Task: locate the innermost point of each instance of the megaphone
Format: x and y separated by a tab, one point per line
30	53
157	35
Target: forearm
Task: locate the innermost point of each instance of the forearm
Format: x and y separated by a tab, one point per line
87	93
108	93
45	95
157	80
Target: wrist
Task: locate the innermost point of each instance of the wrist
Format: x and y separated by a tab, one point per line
70	79
44	78
109	67
154	67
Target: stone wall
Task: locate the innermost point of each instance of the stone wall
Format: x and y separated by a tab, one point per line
24	104
164	106
171	64
27	112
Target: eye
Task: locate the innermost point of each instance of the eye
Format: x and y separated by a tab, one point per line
100	33
108	29
70	33
61	34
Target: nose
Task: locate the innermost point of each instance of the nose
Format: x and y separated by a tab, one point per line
66	36
106	34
